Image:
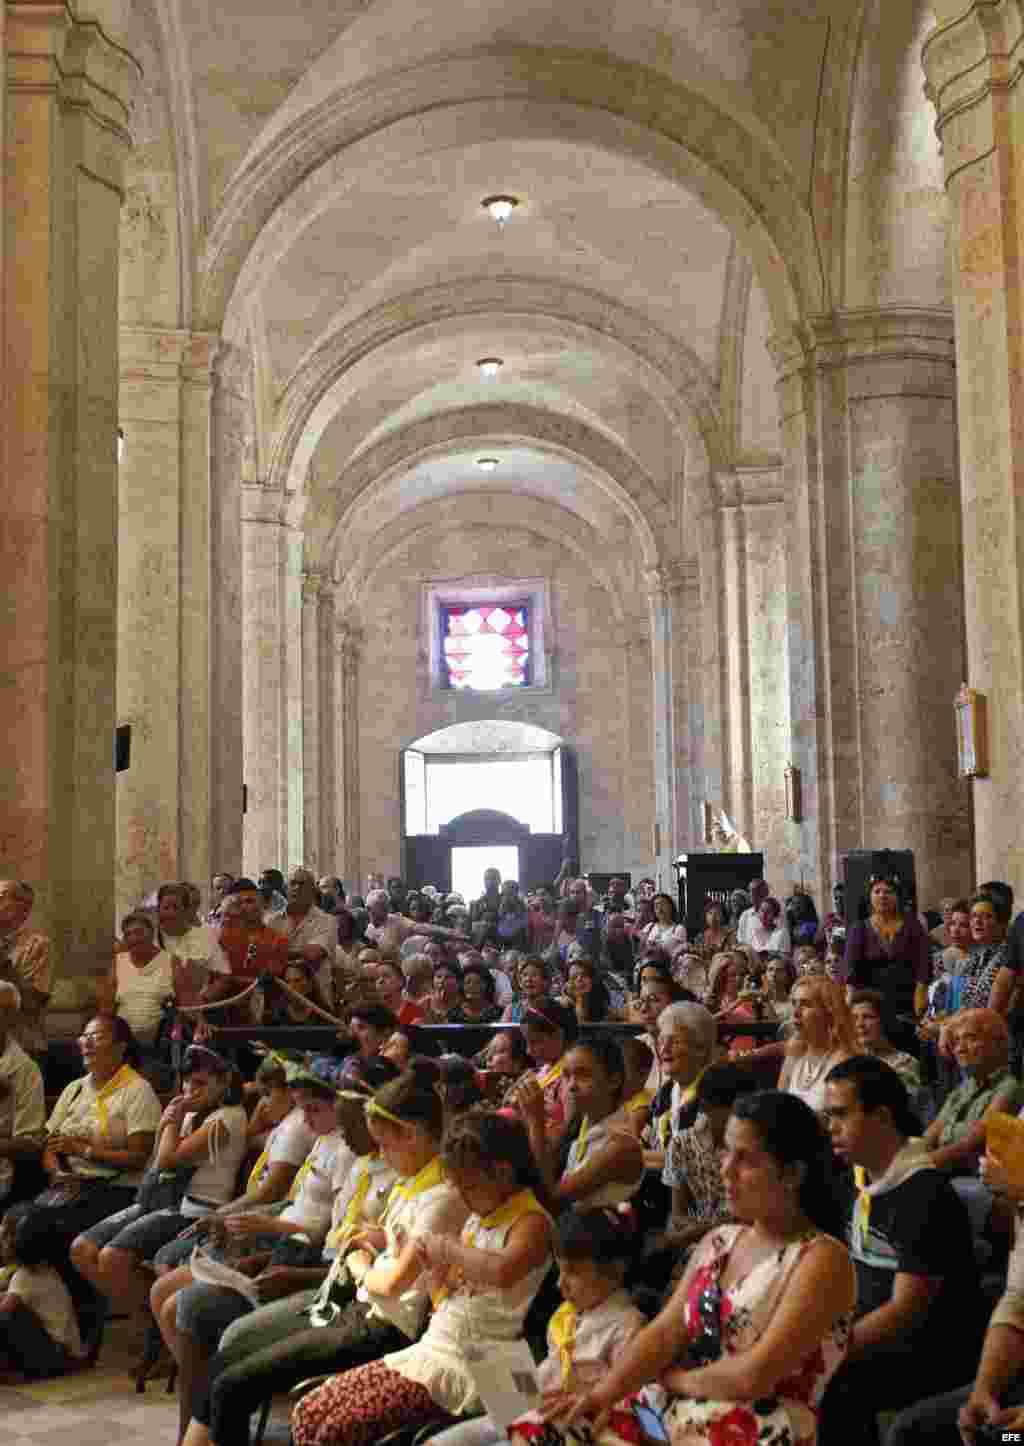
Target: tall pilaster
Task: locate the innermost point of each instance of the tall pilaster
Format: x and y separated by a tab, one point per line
312	782
264	680
973	65
660	606
327	789
68	93
230	430
164	602
875	592
349	640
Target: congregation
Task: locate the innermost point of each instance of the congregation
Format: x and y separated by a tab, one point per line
740	1186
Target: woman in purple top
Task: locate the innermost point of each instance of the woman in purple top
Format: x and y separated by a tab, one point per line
889	951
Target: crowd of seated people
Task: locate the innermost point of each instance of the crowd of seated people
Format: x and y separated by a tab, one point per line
736	1187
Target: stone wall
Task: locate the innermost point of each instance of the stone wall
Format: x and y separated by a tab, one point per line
598	695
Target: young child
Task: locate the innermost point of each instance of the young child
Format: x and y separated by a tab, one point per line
482	1286
38	1330
586	1334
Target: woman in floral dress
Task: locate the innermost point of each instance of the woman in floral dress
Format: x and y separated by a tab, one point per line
742	1353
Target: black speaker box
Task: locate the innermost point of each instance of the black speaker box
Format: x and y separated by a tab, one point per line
860	865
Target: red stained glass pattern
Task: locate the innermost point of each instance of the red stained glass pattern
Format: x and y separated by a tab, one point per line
486	646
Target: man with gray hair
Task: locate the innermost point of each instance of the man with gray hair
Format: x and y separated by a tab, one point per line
312	934
389	931
22	1108
25	963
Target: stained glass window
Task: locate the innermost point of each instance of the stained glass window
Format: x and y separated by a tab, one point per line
486	646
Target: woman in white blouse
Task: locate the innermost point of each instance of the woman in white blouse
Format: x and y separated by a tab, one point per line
666	933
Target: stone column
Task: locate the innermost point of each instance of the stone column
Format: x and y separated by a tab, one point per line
659	601
327	787
231	427
163	623
68	92
311	716
874	591
264	684
972	64
349	639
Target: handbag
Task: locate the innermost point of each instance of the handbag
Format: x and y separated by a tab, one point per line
162	1189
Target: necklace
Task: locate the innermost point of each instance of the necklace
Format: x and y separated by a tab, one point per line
806	1075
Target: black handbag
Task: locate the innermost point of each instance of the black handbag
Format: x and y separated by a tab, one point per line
163	1189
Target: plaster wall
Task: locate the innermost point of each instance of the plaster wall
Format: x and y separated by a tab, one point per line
598	696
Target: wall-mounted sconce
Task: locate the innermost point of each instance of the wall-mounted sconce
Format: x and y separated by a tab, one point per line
794	795
971	733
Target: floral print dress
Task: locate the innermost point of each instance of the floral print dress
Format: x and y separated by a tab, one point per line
789	1417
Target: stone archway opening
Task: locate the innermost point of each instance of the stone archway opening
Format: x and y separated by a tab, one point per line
516	777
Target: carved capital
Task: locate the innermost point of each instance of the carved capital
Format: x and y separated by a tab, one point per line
312	585
970	54
262	504
47	48
233	370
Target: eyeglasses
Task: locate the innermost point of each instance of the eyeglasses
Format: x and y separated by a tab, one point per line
97	1038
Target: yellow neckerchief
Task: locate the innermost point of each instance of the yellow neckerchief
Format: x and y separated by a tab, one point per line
257	1171
562	1332
887	930
122	1077
552	1074
515	1208
638	1102
304	1168
862	1209
687	1096
354	1209
581	1141
425	1179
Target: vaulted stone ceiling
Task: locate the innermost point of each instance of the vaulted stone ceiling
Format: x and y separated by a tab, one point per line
324	165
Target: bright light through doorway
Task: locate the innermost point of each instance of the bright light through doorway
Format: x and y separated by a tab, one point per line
468	868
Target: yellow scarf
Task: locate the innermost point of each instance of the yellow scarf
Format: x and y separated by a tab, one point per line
256	1173
862	1209
425	1179
124	1076
638	1102
581	1141
686	1098
562	1331
522	1203
551	1075
304	1169
354	1209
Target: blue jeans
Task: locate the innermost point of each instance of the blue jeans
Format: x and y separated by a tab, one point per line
933	1420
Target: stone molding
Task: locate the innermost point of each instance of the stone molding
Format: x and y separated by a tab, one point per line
48	48
846	338
313	584
588	314
740	174
968	58
615	470
750	486
160	354
262	504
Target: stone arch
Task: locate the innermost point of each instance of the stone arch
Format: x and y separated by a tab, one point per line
305	408
893	203
553	523
734	167
610	468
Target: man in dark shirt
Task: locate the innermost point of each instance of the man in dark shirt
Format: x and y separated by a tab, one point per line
918	1315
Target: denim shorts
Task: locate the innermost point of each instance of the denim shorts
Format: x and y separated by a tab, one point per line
138	1232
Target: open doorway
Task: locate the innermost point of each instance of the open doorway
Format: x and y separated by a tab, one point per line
468	866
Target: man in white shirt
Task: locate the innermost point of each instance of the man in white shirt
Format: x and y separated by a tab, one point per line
22	1107
749	919
312	934
176	933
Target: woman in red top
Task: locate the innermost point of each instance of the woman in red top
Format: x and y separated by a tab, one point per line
390	980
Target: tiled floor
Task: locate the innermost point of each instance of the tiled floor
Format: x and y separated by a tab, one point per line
92	1408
